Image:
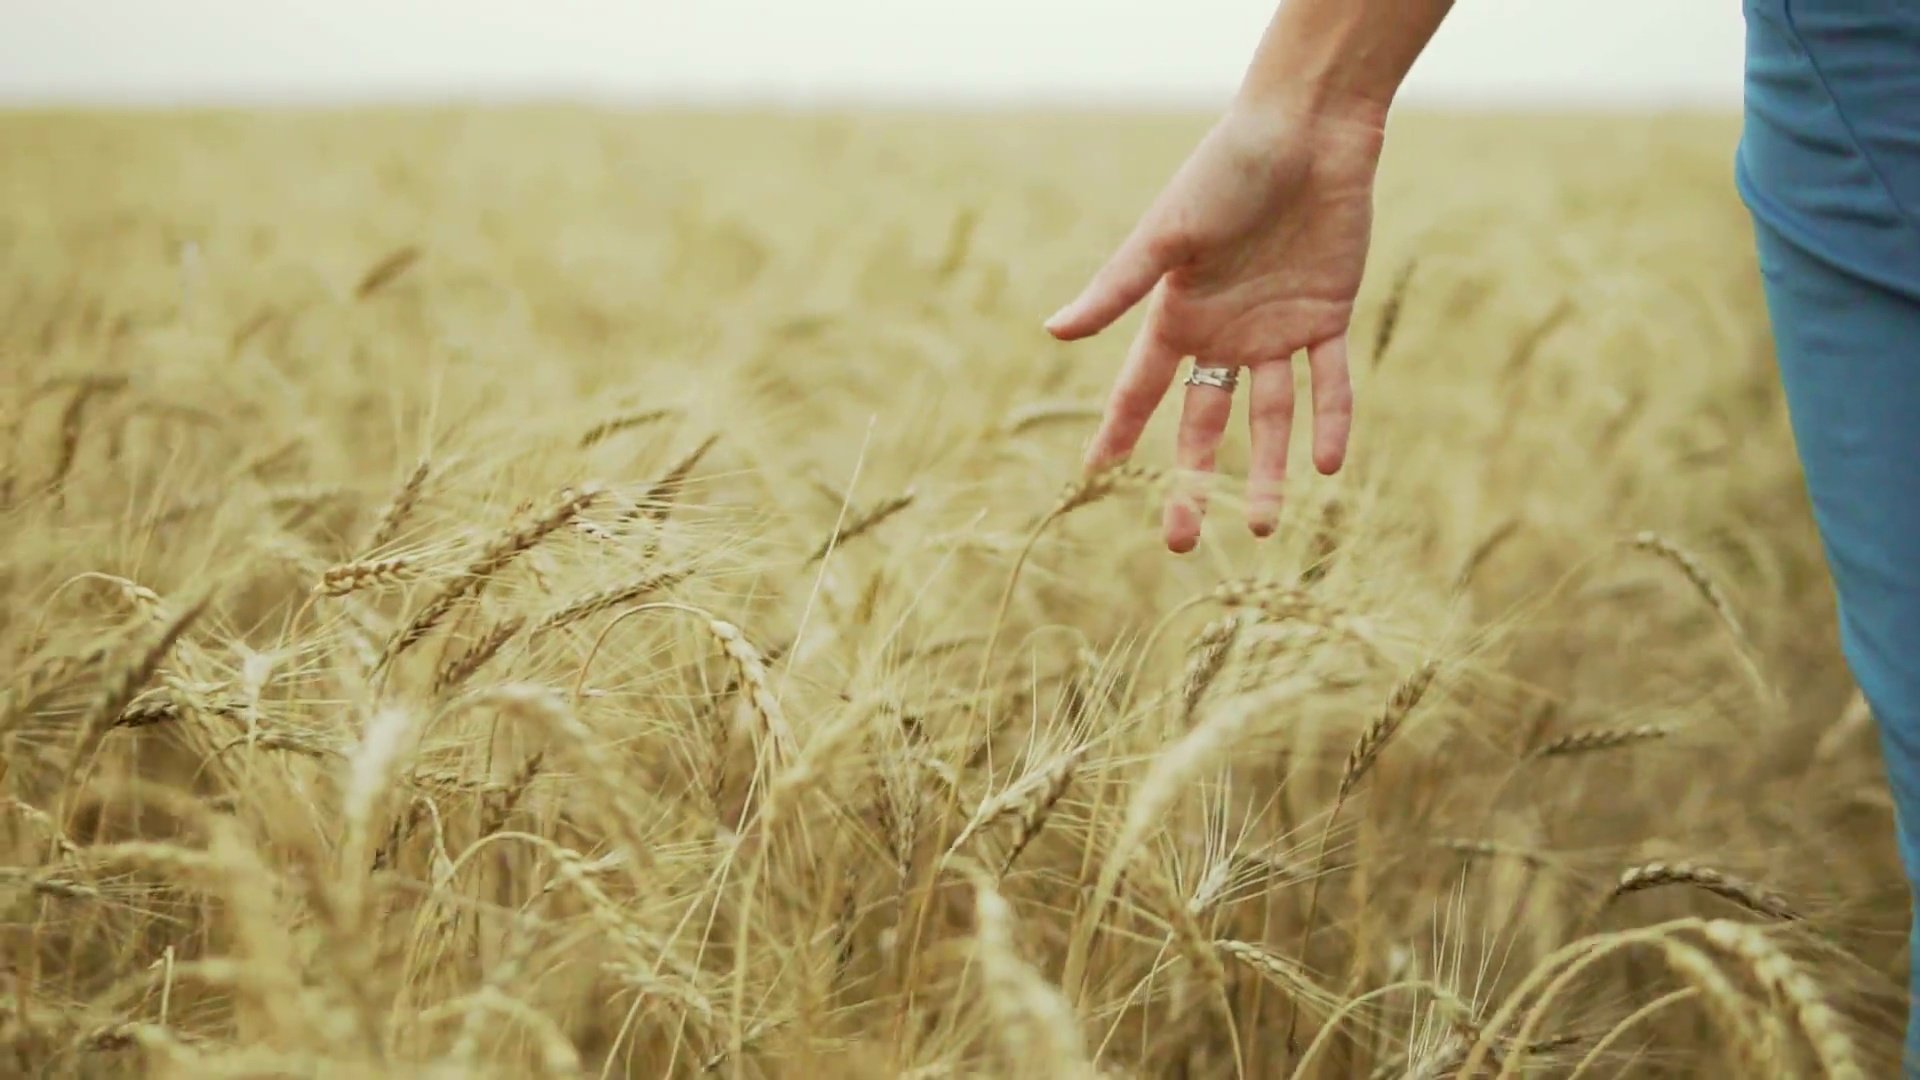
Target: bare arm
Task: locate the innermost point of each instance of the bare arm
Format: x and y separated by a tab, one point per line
1342	54
1255	251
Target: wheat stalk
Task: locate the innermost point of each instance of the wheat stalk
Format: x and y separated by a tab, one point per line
1037	1027
71	421
120	690
494	557
1754	1036
1172	772
1366	749
1794	991
809	765
1038	808
1360	760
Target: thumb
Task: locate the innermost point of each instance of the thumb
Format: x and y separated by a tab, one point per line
1124	281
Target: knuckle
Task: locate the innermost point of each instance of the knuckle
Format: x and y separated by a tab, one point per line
1169	245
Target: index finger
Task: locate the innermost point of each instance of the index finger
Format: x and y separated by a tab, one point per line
1143	382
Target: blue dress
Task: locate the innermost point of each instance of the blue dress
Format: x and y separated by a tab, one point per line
1829	166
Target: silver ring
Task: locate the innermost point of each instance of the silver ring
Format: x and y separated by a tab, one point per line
1220	378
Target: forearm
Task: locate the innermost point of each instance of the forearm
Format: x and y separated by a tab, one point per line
1340	54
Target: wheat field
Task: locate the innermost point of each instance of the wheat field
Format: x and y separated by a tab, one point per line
547	592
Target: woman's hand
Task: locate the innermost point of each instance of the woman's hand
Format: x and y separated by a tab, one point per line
1256	247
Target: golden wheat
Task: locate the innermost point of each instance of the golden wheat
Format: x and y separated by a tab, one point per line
846	728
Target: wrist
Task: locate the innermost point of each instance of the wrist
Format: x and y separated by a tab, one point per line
1317	102
1345	132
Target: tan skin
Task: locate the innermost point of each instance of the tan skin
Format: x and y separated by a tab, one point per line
1255	251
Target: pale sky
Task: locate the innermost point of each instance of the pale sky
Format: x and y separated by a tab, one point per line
1521	52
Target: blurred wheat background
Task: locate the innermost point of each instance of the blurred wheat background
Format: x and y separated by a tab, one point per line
523	592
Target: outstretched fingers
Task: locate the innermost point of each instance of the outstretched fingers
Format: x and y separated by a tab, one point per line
1332	403
1270	428
1143	382
1203	424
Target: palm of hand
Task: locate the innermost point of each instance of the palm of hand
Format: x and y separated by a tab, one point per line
1253	252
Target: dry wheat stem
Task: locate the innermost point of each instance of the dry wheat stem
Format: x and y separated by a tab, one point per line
1039	805
1083	492
1349	1007
1475	847
1753	1035
1171	773
1483	551
808	767
1549	978
1360	760
118	692
1792	988
70	424
1038	1029
1629	1022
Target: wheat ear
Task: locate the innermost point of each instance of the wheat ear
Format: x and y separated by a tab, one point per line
394	517
1360	760
503	549
1749	895
1588	742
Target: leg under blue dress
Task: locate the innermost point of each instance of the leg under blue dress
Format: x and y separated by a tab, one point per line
1829	165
